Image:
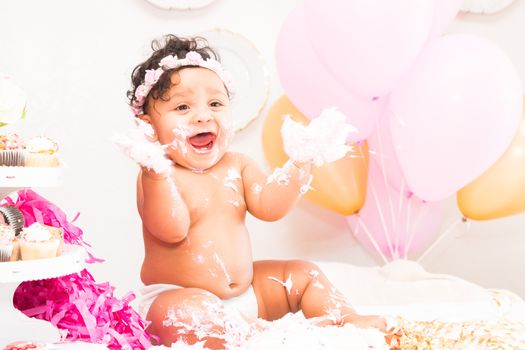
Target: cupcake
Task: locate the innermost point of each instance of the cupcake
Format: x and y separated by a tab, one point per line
11	150
8	246
40	242
41	151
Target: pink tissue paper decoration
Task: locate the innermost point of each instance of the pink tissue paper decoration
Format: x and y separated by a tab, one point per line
87	310
75	303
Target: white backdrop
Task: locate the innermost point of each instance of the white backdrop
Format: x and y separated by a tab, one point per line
74	59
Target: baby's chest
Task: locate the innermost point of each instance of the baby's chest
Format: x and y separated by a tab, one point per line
214	194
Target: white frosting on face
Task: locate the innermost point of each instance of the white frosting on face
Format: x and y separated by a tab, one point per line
181	134
7	234
199	160
36	233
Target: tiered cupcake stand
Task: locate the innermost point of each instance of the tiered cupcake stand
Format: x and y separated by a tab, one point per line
14	325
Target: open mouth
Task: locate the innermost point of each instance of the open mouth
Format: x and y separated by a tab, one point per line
203	141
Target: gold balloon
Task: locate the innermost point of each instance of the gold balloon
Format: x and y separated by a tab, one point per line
339	186
500	191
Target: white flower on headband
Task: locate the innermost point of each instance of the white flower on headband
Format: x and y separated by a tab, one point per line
192	58
152	76
169	62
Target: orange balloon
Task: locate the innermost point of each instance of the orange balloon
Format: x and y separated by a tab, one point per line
339	186
500	191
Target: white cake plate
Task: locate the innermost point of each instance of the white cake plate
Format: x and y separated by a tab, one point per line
13	178
14	324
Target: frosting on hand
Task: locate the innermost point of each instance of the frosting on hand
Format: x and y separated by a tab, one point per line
137	144
322	141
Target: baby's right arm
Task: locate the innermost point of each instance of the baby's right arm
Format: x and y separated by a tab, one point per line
164	213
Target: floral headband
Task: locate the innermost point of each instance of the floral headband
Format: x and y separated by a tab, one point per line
152	76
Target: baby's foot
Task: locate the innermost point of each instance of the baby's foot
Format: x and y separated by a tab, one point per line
369	321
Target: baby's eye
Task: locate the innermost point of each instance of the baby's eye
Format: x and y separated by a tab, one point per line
216	104
182	107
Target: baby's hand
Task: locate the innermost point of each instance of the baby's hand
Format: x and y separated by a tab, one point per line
321	141
138	145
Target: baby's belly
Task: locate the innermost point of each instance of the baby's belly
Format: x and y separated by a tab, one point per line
215	259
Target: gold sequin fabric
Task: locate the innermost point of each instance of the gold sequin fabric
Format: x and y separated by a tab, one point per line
499	334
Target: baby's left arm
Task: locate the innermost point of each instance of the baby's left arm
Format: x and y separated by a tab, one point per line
270	197
323	140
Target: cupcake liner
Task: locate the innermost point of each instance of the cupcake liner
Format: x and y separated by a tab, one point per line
13	217
6	251
39	250
12	158
41	160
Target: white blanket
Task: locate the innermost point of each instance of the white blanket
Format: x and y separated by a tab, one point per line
401	289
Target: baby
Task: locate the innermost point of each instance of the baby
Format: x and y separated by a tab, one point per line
192	196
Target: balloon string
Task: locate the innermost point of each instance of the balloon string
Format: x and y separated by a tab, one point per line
382	218
408	228
372	239
400	210
421	214
384	173
440	238
380	214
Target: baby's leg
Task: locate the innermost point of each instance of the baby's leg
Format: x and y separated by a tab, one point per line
182	313
290	286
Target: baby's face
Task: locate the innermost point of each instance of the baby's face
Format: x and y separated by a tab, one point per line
195	120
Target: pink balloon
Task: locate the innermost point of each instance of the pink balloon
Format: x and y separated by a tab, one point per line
311	87
383	155
368	45
444	13
400	225
454	114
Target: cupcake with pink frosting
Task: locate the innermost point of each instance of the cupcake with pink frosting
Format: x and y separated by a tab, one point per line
40	242
11	150
8	244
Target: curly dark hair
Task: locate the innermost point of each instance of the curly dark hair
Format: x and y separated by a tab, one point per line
167	45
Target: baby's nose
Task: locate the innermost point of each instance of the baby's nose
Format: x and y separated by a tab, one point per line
202	117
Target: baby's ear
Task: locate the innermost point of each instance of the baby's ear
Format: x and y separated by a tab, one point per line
143	122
